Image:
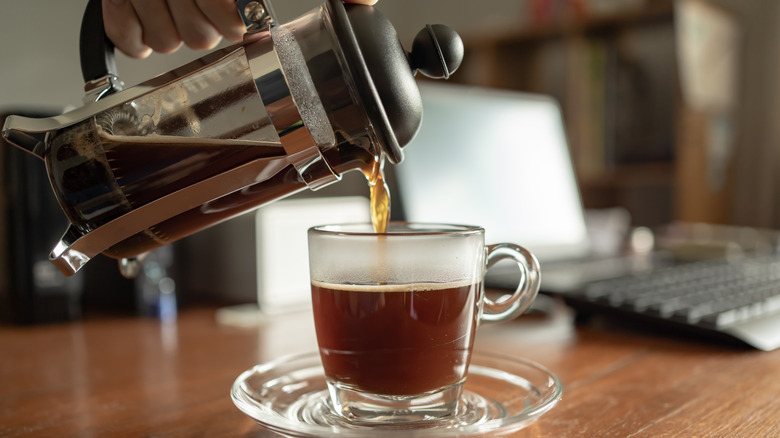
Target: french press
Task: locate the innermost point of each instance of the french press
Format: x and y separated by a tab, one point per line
293	106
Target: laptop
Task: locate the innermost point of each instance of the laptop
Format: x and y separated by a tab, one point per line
500	159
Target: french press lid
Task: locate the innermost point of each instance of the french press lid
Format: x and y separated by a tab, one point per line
383	71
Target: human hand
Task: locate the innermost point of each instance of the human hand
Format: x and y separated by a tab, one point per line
139	27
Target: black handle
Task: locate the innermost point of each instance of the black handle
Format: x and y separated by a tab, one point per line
95	49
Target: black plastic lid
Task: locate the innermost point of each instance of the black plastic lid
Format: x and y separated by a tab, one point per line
384	72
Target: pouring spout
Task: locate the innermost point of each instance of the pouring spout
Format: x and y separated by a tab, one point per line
65	256
23	140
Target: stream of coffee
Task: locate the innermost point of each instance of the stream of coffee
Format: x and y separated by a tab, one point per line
380	195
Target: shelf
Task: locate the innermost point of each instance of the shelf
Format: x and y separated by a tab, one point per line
616	78
645	190
655	11
628	175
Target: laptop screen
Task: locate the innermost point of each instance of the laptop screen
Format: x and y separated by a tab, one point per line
498	159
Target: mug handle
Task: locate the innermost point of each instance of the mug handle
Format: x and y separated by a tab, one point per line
511	306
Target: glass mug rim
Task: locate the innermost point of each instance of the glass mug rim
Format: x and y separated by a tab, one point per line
397	228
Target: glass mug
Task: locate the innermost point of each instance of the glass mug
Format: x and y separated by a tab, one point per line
396	313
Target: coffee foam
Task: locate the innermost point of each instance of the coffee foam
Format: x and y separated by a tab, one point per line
411	287
79	139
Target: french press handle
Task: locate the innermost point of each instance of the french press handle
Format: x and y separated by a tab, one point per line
95	48
96	52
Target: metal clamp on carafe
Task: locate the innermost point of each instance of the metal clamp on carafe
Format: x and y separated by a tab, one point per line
293	106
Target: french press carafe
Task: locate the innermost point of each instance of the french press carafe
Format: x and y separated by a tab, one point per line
293	106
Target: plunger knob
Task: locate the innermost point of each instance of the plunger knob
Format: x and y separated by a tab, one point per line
437	51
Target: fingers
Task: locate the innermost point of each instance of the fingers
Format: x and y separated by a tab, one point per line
194	27
224	17
138	27
124	28
159	29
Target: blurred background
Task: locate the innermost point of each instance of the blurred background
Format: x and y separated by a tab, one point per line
637	138
669	106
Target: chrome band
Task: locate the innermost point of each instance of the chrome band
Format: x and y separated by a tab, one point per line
292	127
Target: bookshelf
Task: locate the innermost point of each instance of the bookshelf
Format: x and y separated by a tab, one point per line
615	75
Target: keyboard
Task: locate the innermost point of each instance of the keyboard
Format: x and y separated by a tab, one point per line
737	298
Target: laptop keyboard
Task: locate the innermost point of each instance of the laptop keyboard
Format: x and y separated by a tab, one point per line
726	296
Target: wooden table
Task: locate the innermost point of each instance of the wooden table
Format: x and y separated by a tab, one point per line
140	377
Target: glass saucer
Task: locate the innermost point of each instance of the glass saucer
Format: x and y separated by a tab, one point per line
502	394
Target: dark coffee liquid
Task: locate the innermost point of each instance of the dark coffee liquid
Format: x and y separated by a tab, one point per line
179	166
395	340
99	177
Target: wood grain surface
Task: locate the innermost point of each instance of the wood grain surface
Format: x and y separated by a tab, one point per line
140	377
